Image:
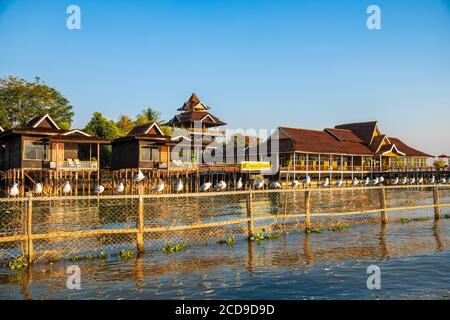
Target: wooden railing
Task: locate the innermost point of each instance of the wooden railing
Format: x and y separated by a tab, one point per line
74	165
347	168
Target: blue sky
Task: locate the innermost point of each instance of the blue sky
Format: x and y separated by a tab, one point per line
257	63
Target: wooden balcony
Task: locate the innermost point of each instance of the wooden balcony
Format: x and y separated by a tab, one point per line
344	168
207	131
74	165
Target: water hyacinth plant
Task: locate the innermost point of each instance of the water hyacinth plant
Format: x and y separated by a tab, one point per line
126	253
18	263
168	248
229	241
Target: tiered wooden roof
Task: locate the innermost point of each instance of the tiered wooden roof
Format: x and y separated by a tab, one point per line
194	110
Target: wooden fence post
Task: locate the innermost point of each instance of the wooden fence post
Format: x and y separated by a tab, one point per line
384	217
436	200
140	225
308	210
250	214
29	252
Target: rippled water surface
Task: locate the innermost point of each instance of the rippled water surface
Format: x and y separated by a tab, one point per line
414	260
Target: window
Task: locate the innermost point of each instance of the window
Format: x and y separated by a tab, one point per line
36	150
149	153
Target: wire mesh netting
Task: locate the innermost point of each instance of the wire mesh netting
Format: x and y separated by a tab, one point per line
66	227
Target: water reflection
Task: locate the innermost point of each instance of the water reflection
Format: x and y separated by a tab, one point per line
215	270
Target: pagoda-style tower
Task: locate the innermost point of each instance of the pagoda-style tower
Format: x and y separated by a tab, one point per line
194	114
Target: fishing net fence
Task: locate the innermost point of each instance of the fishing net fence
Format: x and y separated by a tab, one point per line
55	228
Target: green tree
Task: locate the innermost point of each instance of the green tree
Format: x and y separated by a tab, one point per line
124	124
20	101
102	127
439	164
148	115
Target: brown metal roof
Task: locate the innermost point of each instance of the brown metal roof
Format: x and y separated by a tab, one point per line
344	135
314	141
407	150
364	130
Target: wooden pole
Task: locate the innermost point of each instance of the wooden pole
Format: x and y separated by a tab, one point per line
384	217
436	200
308	210
140	225
250	215
29	247
98	163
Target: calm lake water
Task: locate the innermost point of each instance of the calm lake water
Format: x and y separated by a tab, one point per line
414	259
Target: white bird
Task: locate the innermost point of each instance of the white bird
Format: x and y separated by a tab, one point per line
325	183
139	176
367	181
37	188
99	189
355	182
375	181
160	186
339	183
395	181
14	190
66	187
432	180
295	184
259	184
179	186
307	181
420	180
275	185
381	180
413	180
239	184
404	180
442	180
220	186
120	187
205	187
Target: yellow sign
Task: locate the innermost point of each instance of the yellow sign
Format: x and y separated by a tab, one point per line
255	166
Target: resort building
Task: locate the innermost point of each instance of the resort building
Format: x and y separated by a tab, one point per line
145	147
356	148
43	145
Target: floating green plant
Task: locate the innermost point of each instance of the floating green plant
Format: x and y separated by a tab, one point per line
447	216
102	255
229	241
168	248
404	220
18	263
126	253
275	235
421	219
258	237
314	230
339	227
261	236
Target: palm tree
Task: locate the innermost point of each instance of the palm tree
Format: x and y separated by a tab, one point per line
149	115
